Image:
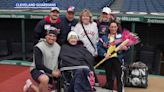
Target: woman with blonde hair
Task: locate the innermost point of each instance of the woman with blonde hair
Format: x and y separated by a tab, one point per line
87	31
105	18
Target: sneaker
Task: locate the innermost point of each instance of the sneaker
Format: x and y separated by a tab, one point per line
27	85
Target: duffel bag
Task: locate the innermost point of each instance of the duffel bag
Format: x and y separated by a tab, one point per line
136	75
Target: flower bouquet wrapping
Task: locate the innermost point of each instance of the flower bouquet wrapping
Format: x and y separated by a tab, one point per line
128	39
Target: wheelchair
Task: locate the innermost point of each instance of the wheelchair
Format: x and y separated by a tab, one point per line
76	79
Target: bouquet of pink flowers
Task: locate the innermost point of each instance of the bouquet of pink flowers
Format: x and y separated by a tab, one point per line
128	39
133	38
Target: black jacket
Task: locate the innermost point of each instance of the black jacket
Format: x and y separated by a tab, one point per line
67	26
75	56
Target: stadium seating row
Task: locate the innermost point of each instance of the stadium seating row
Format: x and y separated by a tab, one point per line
148	6
143	6
94	6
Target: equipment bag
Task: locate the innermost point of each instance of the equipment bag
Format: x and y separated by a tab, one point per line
136	75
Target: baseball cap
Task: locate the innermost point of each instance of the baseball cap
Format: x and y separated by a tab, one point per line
106	10
71	9
55	9
52	32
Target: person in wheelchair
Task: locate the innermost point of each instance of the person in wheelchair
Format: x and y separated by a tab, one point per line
76	65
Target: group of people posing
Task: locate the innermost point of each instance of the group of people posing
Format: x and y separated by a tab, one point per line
75	43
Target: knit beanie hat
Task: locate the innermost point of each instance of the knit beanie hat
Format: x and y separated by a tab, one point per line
72	33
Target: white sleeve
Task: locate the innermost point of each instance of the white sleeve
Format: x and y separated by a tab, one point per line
78	31
76	28
96	36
